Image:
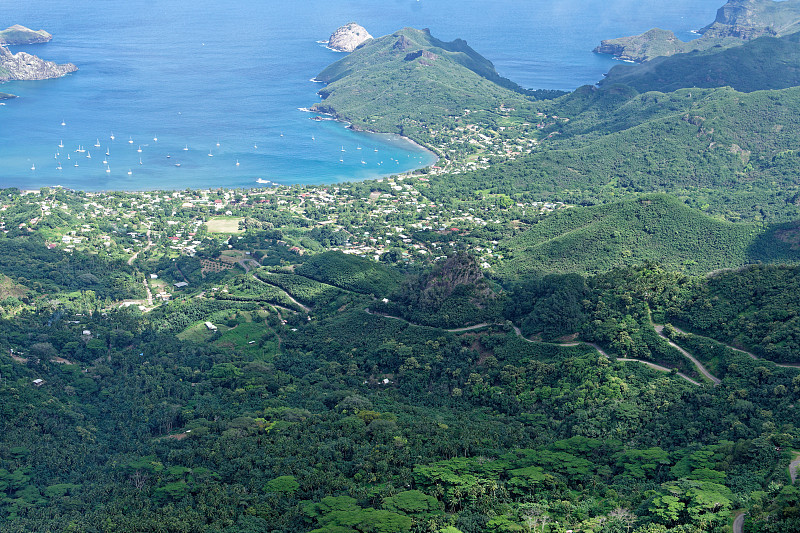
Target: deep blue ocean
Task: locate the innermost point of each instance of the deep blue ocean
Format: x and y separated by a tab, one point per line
227	79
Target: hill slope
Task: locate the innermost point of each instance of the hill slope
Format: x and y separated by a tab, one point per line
653	228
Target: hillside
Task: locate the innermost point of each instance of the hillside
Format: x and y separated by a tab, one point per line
654	228
763	63
410	75
732	154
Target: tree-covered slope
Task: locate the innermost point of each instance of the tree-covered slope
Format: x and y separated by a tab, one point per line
732	154
764	63
410	74
654	228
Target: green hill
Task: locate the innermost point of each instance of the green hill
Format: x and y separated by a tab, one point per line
764	63
351	272
412	75
655	228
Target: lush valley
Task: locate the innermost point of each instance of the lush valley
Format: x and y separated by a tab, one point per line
583	318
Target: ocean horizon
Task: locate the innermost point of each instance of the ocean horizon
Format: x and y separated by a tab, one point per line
203	95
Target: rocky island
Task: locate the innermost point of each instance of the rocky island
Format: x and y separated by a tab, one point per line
348	37
23	66
736	22
18	34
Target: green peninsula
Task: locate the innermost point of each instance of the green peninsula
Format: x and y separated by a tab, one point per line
412	76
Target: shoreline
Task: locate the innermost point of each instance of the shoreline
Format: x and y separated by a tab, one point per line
417	145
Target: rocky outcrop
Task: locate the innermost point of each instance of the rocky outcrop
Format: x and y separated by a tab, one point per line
348	37
24	66
402	44
17	34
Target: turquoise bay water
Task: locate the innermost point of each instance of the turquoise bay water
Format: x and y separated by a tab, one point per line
228	79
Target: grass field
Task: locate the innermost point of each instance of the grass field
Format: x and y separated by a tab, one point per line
224	225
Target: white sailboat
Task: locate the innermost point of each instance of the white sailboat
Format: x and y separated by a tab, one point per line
342	148
33	166
186	148
108	152
63	123
88	155
237	162
97	143
155	139
61	143
108	168
140	161
130	172
130	140
210	154
105	162
139	149
112	136
58	167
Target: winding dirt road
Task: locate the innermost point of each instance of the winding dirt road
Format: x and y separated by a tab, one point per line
703	370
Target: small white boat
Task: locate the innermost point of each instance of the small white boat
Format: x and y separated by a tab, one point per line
76	163
88	155
58	167
255	146
281	134
112	136
376	149
169	156
312	138
262	180
358	147
108	169
130	172
177	164
55	156
186	148
130	140
61	143
217	143
67	156
63	123
341	160
210	154
140	161
80	149
97	143
139	149
33	167
108	152
105	162
342	148
155	139
237	162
